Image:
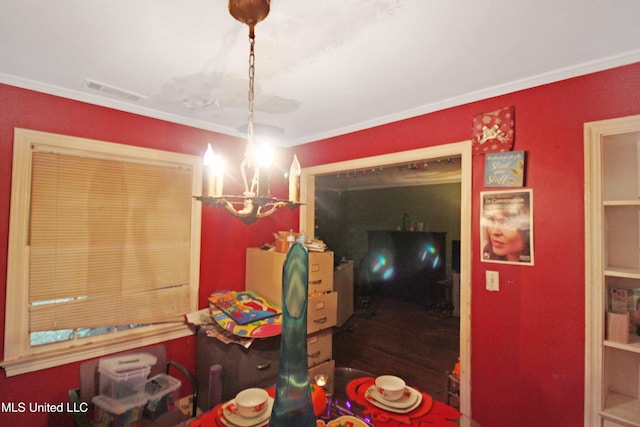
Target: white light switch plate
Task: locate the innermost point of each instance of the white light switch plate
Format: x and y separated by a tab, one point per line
493	280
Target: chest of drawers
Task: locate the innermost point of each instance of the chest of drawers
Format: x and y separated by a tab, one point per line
264	276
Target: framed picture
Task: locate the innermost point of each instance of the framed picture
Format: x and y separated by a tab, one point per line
504	169
506	226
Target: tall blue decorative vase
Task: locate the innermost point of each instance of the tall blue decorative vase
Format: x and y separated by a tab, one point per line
293	406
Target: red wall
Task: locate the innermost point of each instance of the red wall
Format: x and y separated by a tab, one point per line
527	340
224	239
527	356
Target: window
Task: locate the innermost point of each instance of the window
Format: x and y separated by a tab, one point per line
104	248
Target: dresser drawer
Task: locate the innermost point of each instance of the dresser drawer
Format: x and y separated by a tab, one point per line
320	272
258	366
264	273
322	312
242	368
319	347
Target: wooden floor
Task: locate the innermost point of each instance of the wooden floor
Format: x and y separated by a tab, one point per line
400	338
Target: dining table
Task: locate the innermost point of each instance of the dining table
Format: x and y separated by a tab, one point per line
350	402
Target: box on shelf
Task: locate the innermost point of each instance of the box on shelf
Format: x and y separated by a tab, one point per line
618	327
119	413
163	392
124	376
284	240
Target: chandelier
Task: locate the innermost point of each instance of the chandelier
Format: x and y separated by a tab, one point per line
255	202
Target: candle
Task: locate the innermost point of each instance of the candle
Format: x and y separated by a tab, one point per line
208	184
294	180
263	182
212	174
321	380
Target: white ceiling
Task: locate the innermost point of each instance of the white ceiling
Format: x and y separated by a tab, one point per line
323	68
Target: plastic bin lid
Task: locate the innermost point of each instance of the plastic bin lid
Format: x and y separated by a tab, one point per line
126	362
120	406
161	384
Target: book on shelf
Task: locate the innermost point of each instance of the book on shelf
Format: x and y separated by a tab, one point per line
623	314
621	300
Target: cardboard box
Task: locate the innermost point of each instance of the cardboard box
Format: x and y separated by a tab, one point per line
284	240
618	327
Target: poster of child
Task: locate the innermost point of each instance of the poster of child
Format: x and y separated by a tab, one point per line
506	226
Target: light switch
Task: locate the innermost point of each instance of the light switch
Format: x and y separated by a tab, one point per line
493	280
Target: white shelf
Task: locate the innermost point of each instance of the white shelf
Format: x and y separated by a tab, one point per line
633	346
632	202
629	273
622	408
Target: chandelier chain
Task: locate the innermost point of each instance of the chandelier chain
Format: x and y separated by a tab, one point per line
252	72
250	161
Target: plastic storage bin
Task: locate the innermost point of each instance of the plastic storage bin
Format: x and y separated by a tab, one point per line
124	376
163	392
119	413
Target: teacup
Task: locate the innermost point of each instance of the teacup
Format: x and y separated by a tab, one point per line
251	402
390	386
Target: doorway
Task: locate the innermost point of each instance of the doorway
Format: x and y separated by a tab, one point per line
461	150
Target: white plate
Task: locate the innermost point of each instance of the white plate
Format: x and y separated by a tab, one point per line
230	414
228	423
402	406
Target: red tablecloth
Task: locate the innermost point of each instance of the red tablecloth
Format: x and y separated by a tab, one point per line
212	417
428	413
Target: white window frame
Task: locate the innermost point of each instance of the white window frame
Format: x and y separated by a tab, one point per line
19	356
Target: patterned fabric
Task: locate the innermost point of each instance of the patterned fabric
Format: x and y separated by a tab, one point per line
430	413
494	132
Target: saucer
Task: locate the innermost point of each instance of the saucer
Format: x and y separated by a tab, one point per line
408	398
224	422
411	399
230	414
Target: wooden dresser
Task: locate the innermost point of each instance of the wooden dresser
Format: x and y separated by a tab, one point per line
264	276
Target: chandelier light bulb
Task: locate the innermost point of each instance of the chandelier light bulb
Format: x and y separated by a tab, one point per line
265	155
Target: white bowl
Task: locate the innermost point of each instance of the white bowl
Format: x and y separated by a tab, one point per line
251	402
390	387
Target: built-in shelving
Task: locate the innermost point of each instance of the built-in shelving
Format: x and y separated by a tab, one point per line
612	213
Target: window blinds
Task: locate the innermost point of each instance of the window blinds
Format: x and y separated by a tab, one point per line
109	242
